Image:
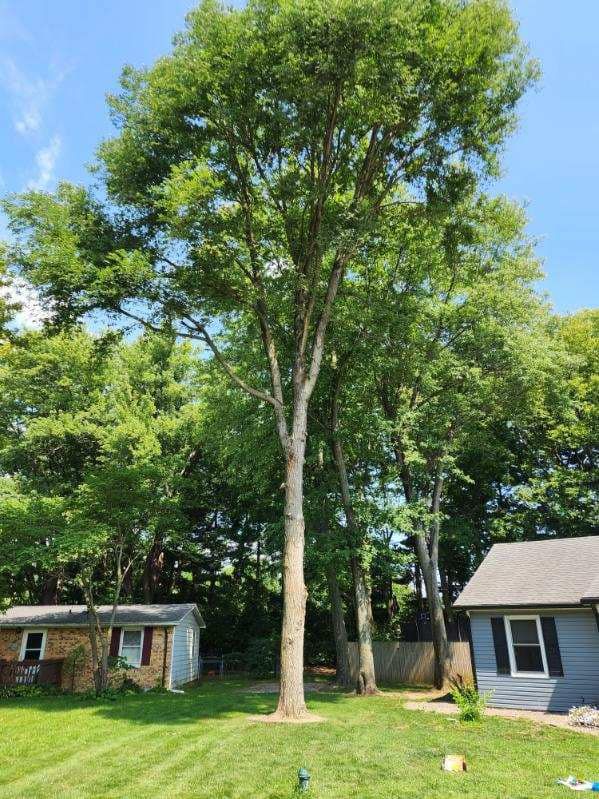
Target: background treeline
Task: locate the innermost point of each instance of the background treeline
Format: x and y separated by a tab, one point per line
143	439
380	391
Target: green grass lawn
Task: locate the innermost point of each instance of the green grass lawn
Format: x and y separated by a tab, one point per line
202	744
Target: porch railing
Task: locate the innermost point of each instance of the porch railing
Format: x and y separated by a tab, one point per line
31	672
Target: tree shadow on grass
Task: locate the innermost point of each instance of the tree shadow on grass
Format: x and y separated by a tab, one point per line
209	701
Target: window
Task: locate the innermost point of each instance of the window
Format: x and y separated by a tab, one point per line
33	645
526	646
131	644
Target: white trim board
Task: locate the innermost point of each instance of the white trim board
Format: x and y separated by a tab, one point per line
24	637
510	647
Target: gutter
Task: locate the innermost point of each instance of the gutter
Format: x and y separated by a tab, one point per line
531	605
42	623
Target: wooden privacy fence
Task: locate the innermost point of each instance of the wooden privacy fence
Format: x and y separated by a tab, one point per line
411	662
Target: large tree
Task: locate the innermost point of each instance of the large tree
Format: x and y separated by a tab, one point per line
251	166
450	343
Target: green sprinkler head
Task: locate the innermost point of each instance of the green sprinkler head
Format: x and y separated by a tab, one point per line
304	779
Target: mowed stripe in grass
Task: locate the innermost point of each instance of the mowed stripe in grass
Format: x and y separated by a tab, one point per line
204	744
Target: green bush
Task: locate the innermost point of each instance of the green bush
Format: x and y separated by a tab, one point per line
469	701
260	657
26	691
113	692
129	686
118	663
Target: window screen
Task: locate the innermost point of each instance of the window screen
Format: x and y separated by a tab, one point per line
33	646
526	645
131	646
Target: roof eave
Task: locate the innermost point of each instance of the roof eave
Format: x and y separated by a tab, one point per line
519	606
84	625
198	615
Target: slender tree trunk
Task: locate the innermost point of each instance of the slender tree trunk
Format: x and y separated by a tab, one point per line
259	563
418	587
93	641
291	697
446	593
366	683
429	567
343	676
100	638
427	553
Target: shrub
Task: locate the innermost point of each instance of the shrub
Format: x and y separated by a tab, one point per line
118	663
114	692
26	691
129	686
469	701
260	657
73	661
584	716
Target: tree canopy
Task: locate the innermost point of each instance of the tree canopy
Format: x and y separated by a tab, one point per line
321	342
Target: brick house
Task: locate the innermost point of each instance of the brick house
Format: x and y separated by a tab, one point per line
161	644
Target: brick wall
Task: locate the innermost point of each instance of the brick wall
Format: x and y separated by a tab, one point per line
61	641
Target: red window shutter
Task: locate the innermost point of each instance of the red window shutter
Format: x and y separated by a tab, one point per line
146	649
115	642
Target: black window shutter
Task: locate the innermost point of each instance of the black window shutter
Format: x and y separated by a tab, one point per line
554	657
502	658
146	650
115	641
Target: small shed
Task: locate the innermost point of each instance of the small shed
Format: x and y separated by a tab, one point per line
160	643
534	620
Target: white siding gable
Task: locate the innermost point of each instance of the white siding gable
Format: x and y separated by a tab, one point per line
186	651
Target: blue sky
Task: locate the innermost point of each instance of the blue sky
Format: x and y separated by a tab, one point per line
58	58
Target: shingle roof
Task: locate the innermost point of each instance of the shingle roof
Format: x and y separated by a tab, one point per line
76	615
556	571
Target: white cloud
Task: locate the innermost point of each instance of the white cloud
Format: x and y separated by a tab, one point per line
29	120
31	313
29	96
45	159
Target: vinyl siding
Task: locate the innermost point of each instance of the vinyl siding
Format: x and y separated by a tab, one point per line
184	667
578	639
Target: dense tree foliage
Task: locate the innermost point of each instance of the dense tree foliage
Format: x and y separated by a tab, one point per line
377	391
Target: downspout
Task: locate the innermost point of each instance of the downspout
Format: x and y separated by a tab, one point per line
595	614
471	648
164	657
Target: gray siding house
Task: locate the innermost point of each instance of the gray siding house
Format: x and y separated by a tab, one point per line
533	609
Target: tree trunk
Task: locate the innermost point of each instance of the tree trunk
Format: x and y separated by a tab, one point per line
93	641
343	677
50	590
153	571
366	683
291	696
446	593
429	567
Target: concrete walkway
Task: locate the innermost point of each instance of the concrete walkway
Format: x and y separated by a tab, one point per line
435	704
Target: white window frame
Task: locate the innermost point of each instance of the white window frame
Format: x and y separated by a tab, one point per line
542	675
26	632
141	643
